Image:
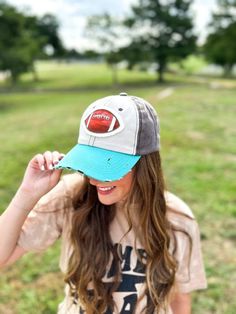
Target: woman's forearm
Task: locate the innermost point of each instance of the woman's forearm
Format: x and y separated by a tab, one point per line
39	179
11	222
181	304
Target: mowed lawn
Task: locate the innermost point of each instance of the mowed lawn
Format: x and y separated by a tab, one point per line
199	158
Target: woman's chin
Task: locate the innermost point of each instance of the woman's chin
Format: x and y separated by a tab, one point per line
106	202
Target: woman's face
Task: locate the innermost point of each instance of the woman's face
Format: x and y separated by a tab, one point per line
115	191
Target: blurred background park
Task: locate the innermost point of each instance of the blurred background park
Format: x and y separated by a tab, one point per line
56	57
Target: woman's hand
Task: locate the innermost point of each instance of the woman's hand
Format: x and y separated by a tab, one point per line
40	176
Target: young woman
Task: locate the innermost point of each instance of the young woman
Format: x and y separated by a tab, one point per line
128	245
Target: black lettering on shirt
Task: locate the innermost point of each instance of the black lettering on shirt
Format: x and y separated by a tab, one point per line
81	311
129	304
126	261
129	278
128	283
140	267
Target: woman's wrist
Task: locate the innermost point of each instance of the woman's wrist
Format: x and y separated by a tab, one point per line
24	199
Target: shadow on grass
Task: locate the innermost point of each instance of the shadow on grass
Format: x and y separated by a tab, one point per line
5	107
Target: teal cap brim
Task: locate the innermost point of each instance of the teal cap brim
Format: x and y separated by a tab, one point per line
100	164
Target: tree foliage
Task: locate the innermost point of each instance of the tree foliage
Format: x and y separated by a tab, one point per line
220	46
23	38
107	31
162	31
17	48
157	31
46	28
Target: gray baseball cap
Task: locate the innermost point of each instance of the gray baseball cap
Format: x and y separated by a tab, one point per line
115	132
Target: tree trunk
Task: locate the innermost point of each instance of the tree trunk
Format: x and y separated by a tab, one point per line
14	77
160	71
35	74
114	74
228	70
160	76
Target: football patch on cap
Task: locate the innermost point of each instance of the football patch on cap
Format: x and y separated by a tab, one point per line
102	121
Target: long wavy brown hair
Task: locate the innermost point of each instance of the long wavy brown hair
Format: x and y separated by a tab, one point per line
93	247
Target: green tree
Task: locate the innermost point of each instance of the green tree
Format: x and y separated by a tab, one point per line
220	46
107	31
47	28
17	46
161	31
24	38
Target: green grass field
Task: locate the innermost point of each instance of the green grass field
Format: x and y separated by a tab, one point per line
199	158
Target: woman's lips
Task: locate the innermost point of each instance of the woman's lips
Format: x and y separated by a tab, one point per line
105	190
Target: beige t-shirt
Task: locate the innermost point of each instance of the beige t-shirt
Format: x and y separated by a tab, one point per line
51	219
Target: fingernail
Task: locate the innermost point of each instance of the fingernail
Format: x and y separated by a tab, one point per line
42	168
50	167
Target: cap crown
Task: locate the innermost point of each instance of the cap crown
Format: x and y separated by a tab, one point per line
121	123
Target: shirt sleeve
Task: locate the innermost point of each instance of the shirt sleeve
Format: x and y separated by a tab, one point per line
190	274
43	226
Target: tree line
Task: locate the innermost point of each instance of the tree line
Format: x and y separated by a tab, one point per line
155	32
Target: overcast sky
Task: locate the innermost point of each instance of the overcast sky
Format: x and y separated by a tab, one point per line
72	15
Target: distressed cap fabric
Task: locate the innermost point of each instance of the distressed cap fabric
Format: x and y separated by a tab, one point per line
115	132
